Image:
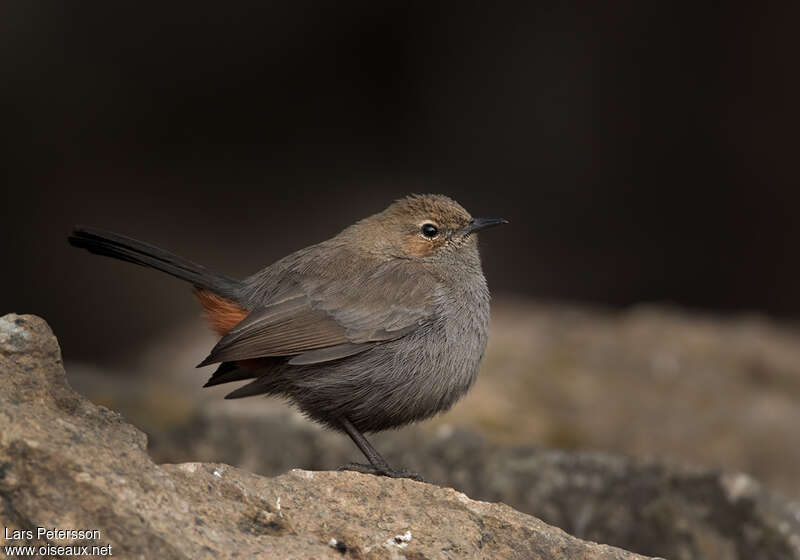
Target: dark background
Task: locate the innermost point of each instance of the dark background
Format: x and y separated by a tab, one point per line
644	151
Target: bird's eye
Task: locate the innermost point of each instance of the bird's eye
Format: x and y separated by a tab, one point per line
429	230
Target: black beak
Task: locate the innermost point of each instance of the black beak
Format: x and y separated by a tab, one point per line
481	223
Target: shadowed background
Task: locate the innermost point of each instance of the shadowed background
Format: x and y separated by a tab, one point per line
643	151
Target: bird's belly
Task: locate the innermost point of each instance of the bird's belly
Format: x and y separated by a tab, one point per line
397	382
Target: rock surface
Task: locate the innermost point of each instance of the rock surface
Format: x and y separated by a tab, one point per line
647	506
66	463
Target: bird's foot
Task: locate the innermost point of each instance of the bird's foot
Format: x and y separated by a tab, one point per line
380	471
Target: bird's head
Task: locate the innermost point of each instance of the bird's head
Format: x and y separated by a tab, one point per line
425	227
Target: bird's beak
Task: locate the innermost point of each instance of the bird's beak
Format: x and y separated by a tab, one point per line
481	223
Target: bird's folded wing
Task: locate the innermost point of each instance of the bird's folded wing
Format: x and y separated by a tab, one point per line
316	318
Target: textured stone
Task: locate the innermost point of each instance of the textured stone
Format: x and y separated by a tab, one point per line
649	506
66	463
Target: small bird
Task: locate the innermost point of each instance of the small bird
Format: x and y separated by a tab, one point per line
382	325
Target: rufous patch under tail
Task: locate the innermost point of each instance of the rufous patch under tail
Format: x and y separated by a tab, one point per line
221	313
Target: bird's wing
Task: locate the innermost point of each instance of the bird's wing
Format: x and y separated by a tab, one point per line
319	316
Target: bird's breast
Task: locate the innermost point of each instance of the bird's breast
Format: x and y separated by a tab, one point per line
447	353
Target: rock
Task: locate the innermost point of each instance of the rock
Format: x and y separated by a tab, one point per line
649	506
67	464
647	381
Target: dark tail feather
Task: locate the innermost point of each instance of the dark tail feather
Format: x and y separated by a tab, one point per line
126	249
230	371
257	387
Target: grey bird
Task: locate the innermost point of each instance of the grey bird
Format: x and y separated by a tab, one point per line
382	325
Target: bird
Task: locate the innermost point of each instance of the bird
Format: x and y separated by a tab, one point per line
382	325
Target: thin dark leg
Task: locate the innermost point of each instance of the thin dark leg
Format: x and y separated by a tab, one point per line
372	455
378	464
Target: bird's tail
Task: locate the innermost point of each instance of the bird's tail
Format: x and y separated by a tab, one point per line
126	249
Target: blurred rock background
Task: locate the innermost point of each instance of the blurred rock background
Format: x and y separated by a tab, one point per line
650	382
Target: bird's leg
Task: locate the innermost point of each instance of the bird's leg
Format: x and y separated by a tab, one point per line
378	465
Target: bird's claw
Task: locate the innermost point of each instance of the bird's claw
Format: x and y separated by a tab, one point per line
380	471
